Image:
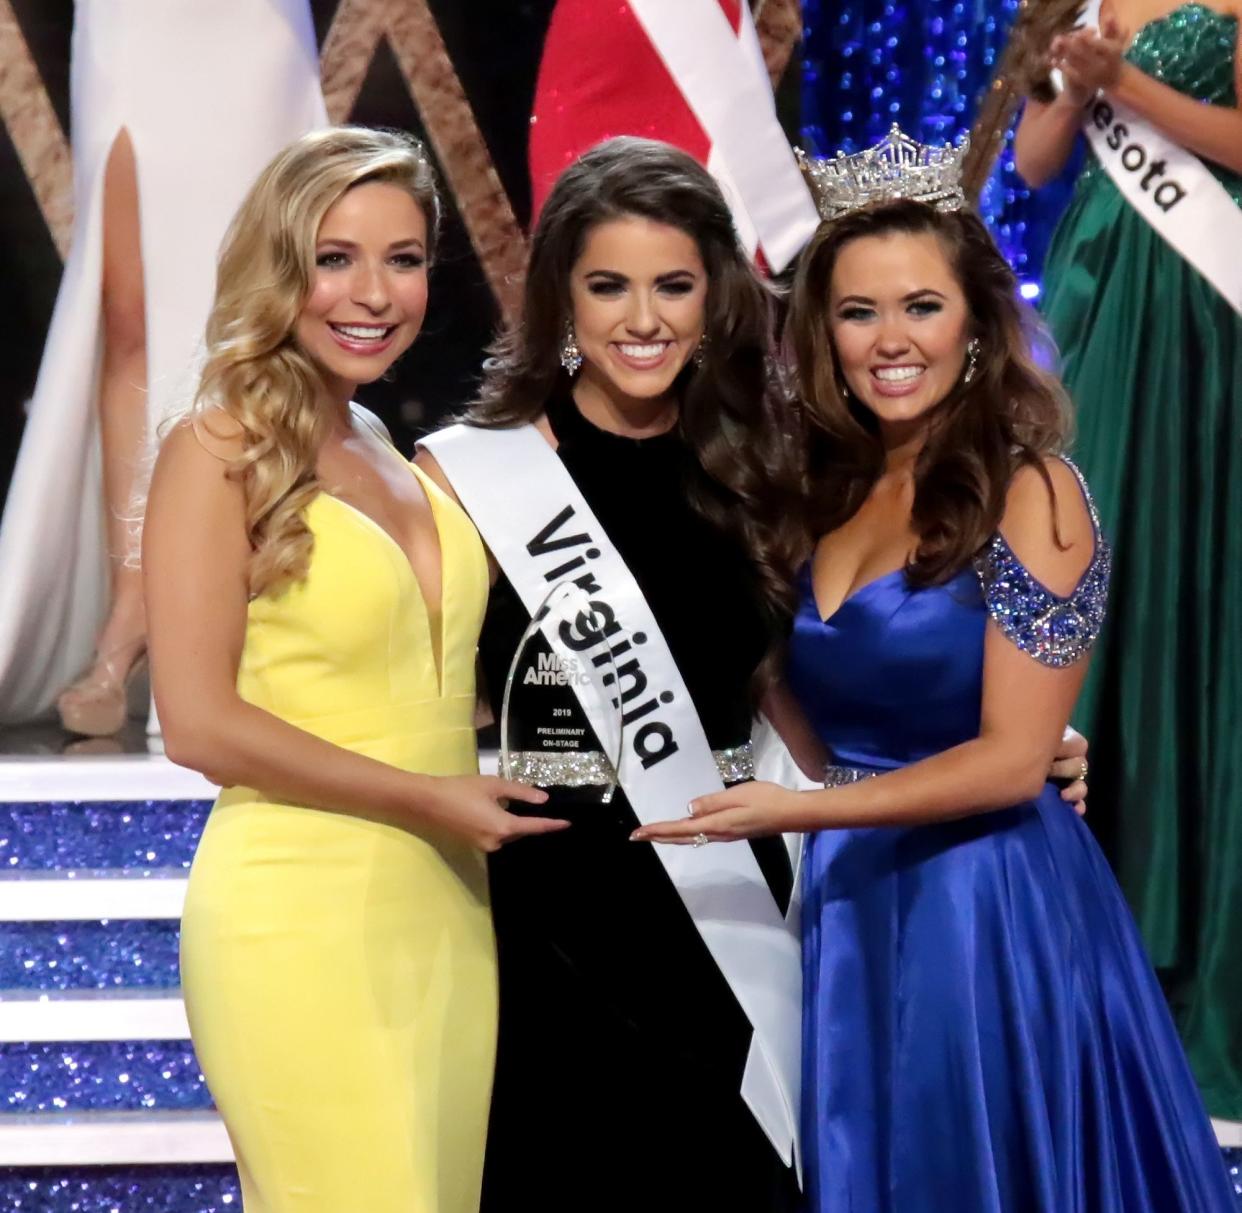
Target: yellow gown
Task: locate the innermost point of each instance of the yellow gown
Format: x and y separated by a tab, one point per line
340	972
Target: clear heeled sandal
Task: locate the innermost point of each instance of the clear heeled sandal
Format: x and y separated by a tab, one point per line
98	703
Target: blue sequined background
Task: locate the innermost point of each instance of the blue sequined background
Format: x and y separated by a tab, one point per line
922	64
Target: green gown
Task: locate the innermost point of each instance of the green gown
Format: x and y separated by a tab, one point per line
1153	360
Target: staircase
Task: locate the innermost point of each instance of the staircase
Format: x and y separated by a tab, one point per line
105	1107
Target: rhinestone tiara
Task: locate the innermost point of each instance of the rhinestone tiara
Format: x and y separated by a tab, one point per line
896	167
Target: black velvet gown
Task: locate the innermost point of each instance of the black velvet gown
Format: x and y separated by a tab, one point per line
621	1046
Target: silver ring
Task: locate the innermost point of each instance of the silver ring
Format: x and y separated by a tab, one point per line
700	840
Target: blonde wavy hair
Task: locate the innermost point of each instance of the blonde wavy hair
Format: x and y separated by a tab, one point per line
255	372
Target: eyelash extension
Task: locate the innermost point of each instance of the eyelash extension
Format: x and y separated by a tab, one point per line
919	307
616	288
405	260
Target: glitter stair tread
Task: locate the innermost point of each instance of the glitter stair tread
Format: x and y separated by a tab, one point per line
85	955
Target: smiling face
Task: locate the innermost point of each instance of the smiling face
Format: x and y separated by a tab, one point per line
899	323
368	291
639	296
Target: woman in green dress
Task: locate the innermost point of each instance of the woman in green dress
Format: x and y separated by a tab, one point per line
1152	356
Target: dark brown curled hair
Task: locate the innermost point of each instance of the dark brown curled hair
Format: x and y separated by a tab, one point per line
731	411
1011	413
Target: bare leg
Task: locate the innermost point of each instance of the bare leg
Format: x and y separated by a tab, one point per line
95	704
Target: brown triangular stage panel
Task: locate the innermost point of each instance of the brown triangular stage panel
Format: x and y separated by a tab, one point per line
414	37
35	130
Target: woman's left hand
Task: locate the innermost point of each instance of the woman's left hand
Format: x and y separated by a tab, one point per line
1070	765
1091	60
749	810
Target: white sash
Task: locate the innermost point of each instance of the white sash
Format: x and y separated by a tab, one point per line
1170	187
541	530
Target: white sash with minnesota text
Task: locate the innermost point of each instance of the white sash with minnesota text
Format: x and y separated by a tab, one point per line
539	527
1170	187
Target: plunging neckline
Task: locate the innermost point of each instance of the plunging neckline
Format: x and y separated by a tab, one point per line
433	613
850	597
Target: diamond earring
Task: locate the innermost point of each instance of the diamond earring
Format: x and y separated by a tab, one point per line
571	355
700	353
972	359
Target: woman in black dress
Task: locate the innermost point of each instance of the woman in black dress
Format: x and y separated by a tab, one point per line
644	359
599	1103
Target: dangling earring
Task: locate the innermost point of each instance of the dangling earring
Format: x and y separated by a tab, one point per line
571	355
700	353
972	359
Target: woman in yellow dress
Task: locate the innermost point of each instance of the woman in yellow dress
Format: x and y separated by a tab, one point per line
314	604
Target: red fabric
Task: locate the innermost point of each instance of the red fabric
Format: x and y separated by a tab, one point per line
600	76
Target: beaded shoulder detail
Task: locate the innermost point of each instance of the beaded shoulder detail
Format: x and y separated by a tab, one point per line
1057	631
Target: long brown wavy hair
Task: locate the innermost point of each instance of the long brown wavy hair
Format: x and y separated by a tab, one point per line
732	412
255	372
1011	413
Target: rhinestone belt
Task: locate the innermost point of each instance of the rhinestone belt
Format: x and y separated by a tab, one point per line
590	768
839	777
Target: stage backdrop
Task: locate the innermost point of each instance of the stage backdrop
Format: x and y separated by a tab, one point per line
461	74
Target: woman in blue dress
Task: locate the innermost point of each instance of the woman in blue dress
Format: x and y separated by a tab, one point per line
982	1029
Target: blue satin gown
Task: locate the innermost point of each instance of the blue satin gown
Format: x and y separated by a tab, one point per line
983	1032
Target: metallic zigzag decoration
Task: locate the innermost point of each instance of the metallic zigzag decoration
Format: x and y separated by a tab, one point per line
357	28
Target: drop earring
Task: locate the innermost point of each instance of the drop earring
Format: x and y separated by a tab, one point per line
571	355
700	353
972	359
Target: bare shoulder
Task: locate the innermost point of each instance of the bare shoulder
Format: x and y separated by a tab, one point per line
195	456
216	433
1048	524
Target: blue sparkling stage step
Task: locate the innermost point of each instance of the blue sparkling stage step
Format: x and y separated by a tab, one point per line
102	1076
84	955
126	1189
137	836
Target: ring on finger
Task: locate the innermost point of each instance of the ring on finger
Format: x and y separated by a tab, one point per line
700	840
1082	771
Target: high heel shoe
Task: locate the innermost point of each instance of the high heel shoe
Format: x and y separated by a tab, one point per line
97	704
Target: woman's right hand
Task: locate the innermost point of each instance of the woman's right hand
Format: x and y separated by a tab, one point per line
473	807
1089	60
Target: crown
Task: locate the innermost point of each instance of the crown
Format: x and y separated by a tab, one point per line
896	167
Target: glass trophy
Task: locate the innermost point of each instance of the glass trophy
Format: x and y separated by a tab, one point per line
560	718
